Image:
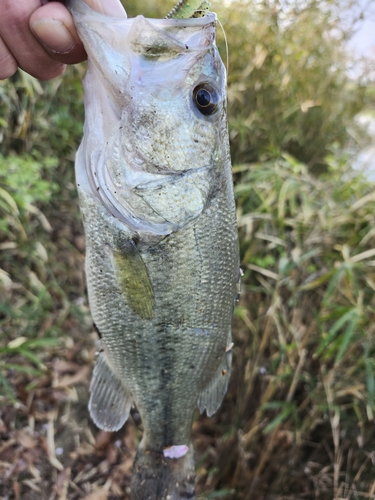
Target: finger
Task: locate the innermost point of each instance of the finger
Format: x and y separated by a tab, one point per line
53	25
8	65
21	43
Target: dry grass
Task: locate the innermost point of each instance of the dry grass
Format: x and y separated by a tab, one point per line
302	396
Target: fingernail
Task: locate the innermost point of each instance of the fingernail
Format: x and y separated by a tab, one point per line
54	35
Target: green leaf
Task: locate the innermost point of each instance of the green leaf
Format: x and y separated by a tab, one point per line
278	420
219	494
8	389
349	317
21	369
347	336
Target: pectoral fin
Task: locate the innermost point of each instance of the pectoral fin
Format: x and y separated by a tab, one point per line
212	396
110	402
133	280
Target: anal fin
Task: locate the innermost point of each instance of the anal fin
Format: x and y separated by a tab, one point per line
212	396
110	402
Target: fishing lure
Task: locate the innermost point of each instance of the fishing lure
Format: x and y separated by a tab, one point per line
189	8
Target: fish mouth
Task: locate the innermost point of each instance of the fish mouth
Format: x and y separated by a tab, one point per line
139	169
116	198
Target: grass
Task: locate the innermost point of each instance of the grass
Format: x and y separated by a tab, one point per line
35	306
306	325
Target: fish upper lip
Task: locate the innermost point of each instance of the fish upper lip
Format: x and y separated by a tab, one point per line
140	171
181	173
137	162
152	168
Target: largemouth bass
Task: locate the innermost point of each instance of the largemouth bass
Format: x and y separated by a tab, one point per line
154	179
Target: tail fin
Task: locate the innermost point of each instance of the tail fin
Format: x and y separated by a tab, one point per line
158	478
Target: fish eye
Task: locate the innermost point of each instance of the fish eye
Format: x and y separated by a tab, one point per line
205	98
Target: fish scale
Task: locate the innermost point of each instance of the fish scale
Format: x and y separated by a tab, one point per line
162	264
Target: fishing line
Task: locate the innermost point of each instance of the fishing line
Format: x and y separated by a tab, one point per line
226	44
204	11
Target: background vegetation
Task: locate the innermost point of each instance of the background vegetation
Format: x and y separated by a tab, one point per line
298	420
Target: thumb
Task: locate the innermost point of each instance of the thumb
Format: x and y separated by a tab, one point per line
53	25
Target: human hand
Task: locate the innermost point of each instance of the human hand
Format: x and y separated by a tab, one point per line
41	38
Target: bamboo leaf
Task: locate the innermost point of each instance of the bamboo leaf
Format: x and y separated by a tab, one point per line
347	336
338	324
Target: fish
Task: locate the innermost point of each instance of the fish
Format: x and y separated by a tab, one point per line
154	178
